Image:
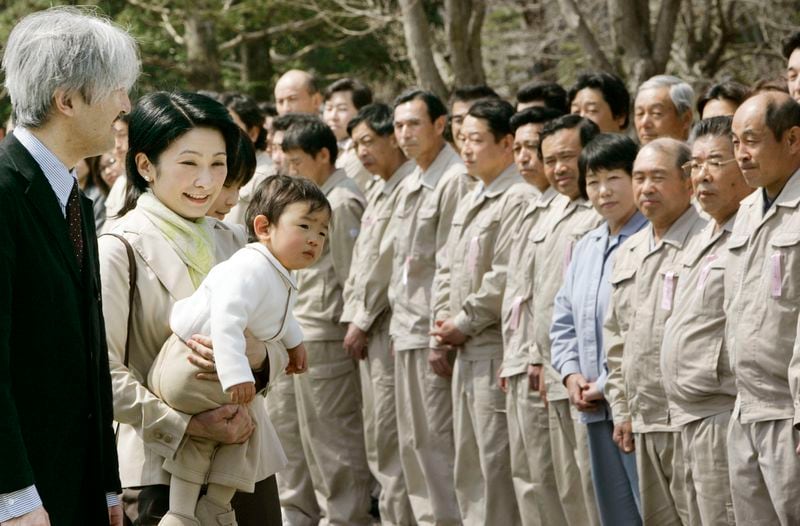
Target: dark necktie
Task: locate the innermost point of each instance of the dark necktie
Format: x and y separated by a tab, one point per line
74	223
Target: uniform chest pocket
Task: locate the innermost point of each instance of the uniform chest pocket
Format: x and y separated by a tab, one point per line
782	266
709	289
622	282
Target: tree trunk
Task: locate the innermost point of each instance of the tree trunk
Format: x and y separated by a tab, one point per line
201	54
418	44
257	68
463	25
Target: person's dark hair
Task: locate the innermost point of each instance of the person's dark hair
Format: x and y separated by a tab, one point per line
767	84
359	92
242	165
95	176
282	122
217	96
550	93
719	126
277	192
533	115
473	92
607	151
613	89
268	109
434	104
158	120
587	129
497	114
310	135
791	43
378	117
728	90
782	113
247	109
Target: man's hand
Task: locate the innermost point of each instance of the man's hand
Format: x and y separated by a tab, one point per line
536	381
298	360
592	393
439	361
227	424
115	515
446	333
355	342
203	354
577	386
37	517
623	436
502	383
243	393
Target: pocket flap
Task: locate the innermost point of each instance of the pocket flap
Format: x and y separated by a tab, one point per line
785	239
618	275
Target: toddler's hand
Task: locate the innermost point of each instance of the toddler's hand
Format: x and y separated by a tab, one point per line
298	360
243	393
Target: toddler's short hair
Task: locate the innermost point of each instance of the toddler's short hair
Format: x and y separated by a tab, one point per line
277	192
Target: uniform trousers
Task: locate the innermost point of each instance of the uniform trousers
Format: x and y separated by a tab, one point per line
380	425
765	472
425	431
484	487
332	433
662	481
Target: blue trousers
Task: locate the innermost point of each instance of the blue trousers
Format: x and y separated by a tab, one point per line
616	484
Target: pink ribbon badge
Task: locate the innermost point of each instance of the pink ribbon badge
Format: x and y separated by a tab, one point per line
472	255
666	293
777	274
515	312
701	282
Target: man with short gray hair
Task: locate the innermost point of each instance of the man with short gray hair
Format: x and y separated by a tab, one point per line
663	108
68	74
643	280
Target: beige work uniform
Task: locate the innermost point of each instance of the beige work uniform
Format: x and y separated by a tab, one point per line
696	371
467	289
349	162
423	215
644	279
763	289
532	468
264	169
367	306
329	394
566	222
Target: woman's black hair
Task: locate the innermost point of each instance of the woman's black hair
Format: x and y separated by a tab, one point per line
607	151
95	176
242	165
613	89
158	120
250	114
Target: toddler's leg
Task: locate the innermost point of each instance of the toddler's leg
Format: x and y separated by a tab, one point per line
220	494
214	509
183	496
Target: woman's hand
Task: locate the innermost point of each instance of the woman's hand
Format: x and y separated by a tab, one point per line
227	424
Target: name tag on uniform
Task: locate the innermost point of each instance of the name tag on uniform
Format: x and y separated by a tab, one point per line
776	261
668	290
701	282
472	255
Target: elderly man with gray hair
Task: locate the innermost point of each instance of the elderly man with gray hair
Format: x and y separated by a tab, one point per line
663	108
68	74
644	278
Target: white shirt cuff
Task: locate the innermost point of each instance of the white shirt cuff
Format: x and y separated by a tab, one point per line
18	503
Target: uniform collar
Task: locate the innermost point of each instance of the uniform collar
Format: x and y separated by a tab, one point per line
334	179
502	182
446	157
401	173
680	229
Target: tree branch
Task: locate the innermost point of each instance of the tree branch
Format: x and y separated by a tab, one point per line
577	23
288	27
665	32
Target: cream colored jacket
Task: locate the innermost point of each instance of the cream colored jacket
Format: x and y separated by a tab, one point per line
643	282
694	358
470	277
365	291
566	223
763	278
149	429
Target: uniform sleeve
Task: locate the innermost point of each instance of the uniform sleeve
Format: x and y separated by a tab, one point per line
794	379
342	235
613	341
161	427
481	309
564	352
374	281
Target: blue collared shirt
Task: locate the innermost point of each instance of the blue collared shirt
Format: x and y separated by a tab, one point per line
580	308
61	179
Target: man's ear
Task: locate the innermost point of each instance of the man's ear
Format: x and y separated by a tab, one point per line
440	124
793	138
261	227
64	101
323	156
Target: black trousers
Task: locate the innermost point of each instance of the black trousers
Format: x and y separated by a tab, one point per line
144	506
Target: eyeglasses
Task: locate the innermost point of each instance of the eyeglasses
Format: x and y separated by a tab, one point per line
712	165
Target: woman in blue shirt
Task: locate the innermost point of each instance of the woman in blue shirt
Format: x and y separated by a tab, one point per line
605	166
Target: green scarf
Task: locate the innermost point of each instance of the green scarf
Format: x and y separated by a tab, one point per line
191	239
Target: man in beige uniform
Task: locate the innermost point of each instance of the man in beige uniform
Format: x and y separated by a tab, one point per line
423	214
342	100
763	294
532	469
467	295
367	304
328	396
644	279
569	218
694	359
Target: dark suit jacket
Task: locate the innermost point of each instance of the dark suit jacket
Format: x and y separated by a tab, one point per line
55	389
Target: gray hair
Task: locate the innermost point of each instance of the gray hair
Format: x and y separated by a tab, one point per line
68	48
680	92
679	150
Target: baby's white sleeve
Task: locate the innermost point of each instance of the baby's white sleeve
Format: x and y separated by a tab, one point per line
294	334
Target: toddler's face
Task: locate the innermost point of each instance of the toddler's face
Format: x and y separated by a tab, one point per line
299	236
